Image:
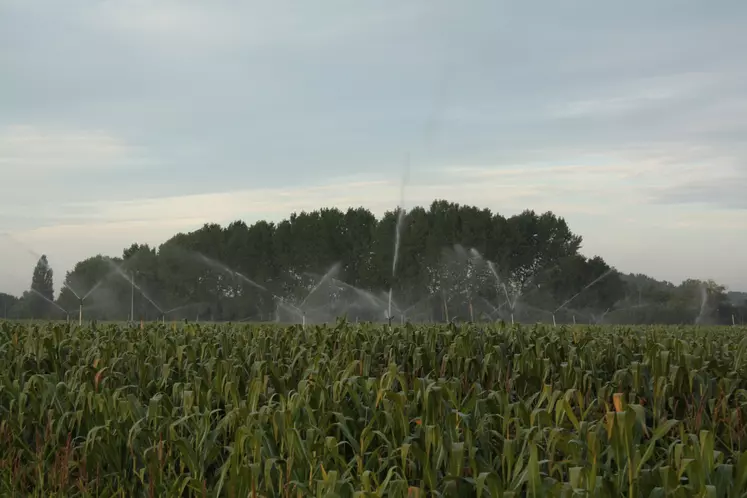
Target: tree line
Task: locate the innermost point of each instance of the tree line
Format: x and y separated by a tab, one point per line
453	262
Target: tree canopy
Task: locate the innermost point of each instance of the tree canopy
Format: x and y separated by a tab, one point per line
7	304
38	302
453	262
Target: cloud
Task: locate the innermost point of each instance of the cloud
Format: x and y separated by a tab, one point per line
707	176
726	192
516	189
637	95
164	19
646	176
186	25
26	149
45	168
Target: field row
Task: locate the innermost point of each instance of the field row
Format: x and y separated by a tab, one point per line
363	410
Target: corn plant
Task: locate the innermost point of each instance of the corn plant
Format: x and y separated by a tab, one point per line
362	410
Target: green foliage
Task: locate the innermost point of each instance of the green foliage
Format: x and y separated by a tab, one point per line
287	258
42	281
7	303
535	268
38	301
362	410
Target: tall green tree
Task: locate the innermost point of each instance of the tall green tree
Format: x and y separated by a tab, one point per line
42	287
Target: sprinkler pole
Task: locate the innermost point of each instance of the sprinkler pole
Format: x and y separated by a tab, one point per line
80	312
132	297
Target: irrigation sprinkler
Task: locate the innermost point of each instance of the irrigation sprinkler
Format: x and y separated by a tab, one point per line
298	311
168	312
50	301
82	298
80	303
133	286
603	275
553	320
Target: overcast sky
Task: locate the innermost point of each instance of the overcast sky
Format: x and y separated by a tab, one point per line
128	121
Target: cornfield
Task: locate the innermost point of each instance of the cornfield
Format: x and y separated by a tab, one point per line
367	410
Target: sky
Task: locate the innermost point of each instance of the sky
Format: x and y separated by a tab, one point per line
128	121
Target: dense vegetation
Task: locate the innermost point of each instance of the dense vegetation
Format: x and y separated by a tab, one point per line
365	410
438	276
